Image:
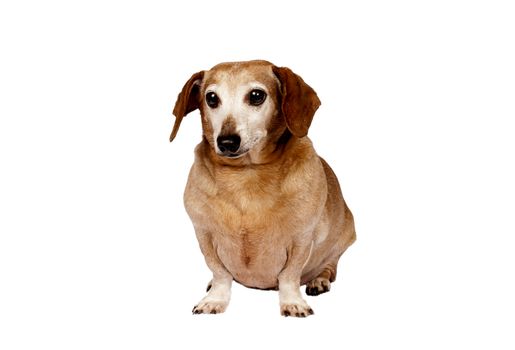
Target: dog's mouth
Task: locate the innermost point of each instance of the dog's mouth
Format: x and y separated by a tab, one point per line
233	155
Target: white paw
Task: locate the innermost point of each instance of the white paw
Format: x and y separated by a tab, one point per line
296	309
210	307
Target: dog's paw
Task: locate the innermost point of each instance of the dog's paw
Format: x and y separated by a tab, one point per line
296	309
210	307
318	286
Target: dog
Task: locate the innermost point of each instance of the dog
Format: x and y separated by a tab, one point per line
267	211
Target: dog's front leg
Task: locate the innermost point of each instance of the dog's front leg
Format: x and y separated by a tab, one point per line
219	289
290	299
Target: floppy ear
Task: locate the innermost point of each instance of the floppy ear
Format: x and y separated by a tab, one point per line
187	101
299	101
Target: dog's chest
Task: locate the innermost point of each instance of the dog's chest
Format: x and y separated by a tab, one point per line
250	217
254	258
245	221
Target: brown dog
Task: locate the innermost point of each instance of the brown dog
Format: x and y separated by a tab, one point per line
267	210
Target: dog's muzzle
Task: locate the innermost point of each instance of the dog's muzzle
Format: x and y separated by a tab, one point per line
228	145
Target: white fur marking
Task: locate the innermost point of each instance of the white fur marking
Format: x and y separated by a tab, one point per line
250	120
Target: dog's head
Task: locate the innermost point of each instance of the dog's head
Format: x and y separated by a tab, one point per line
247	105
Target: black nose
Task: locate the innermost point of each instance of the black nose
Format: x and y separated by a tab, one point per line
228	143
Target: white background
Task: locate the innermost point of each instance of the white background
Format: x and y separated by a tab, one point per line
97	252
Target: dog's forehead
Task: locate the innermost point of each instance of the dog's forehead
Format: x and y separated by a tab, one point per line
234	74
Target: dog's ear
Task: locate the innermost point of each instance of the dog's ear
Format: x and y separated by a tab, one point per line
299	101
187	101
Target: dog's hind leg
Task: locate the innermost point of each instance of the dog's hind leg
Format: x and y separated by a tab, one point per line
322	283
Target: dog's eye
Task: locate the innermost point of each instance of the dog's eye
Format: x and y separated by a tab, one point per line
257	97
212	100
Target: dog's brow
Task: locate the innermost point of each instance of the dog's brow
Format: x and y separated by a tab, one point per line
212	87
257	84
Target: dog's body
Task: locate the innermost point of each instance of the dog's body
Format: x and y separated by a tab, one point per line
267	210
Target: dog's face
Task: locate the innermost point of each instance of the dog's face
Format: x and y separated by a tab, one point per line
247	105
239	106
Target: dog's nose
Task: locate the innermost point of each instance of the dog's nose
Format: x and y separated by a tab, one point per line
228	143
